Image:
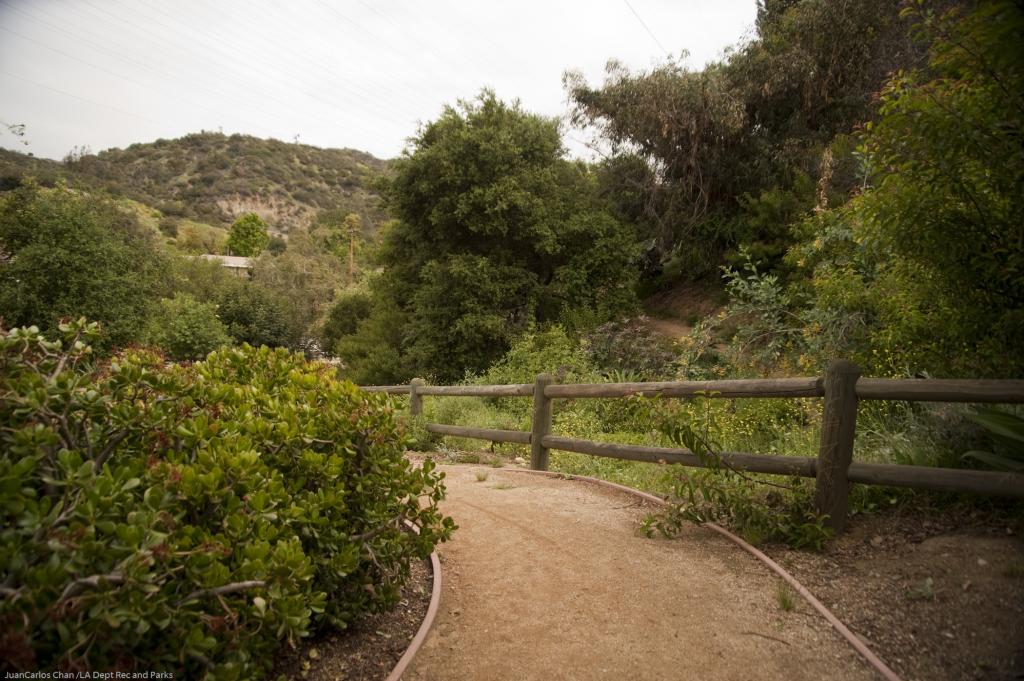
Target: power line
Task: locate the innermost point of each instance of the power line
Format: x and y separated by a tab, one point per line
79	97
647	28
304	61
114	73
262	95
135	63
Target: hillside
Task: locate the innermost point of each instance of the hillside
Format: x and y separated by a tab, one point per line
213	178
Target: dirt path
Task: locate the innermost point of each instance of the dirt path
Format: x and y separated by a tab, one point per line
669	328
548	579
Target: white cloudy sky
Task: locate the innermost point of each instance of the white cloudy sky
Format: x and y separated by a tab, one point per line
335	73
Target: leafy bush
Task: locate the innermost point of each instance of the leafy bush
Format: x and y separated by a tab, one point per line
193	518
922	270
629	348
64	254
304	277
549	351
277	245
349	309
248	236
256	315
759	508
1007	433
168	226
187	329
372	355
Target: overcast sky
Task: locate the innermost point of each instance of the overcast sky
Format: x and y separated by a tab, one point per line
334	73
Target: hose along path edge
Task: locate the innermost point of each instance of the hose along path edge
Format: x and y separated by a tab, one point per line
428	620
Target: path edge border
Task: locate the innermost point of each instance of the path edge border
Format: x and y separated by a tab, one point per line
869	656
428	621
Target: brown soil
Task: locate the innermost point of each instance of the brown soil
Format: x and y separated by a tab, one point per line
548	579
368	650
967	622
687	301
673	312
669	328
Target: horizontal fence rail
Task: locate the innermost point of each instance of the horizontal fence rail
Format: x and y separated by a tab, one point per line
490	434
754	463
390	389
767	387
940	390
834	470
518	390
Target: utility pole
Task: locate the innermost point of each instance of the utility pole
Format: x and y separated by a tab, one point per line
351	254
353	223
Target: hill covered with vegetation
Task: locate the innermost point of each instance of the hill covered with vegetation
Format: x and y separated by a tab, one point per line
213	178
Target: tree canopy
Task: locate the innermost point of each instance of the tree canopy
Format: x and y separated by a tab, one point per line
721	146
495	231
64	254
929	257
248	236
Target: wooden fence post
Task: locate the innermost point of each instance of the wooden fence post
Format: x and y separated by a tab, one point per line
541	423
838	427
415	399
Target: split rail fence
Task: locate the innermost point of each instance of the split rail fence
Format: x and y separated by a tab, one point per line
834	469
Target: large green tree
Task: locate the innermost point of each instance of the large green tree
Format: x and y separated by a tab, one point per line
495	231
67	254
705	156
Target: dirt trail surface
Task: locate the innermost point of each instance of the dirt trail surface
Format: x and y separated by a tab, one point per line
549	579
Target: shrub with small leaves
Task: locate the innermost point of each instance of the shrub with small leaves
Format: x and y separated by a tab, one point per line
186	329
194	518
761	509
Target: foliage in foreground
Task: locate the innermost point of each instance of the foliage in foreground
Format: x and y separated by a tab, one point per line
193	518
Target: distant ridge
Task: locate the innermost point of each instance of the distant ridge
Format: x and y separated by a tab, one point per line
213	178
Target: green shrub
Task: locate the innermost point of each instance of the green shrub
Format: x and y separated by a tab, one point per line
248	236
348	310
169	226
534	352
277	245
187	329
193	518
257	315
67	254
759	507
628	348
371	355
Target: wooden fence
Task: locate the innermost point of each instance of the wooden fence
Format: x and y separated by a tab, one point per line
834	469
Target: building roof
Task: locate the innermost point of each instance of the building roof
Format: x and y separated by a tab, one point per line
233	261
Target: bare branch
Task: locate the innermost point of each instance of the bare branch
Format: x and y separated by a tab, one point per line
378	530
234	587
92	582
105	453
